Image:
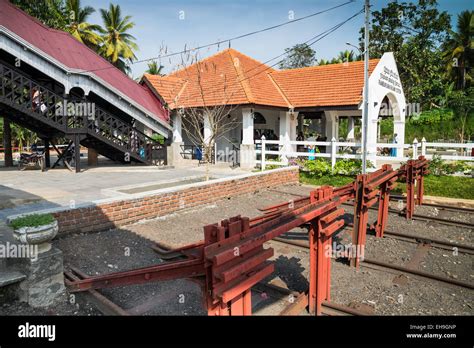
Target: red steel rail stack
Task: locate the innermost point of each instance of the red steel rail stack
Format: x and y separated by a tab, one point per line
232	258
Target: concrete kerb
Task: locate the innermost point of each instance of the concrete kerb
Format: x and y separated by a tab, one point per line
130	197
116	191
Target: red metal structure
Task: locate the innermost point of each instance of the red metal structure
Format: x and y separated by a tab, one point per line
232	258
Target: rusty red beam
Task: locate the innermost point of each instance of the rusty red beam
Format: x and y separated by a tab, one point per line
166	271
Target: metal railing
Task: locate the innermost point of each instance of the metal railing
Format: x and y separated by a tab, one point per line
28	96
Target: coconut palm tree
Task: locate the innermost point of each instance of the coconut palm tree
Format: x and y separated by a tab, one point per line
118	45
78	26
458	51
345	56
154	68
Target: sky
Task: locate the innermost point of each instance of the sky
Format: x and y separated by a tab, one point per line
173	25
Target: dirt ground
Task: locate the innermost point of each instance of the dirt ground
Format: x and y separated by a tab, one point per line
376	290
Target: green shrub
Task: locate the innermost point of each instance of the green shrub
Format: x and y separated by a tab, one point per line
318	167
349	167
439	167
33	220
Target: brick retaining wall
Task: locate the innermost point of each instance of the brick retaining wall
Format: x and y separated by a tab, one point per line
110	213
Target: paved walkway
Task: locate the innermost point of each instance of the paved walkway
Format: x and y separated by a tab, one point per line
33	190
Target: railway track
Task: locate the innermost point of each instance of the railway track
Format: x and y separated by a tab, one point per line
416	216
298	305
386	266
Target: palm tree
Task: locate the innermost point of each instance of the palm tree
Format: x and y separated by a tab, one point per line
346	56
118	45
78	26
154	69
458	50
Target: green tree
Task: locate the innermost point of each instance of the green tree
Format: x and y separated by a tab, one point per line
118	44
78	26
51	12
299	56
154	68
462	102
346	56
342	57
414	32
458	51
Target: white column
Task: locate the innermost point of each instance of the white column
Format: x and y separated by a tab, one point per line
293	128
350	128
174	150
285	126
331	127
177	128
247	127
247	148
371	142
399	129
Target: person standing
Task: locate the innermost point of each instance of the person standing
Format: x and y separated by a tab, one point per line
393	150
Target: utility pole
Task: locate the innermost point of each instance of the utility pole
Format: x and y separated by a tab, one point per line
365	110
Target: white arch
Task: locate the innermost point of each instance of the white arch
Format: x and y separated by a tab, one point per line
385	82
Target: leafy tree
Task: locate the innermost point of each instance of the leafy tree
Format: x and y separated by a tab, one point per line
414	33
299	56
51	12
154	68
462	102
458	53
78	26
118	44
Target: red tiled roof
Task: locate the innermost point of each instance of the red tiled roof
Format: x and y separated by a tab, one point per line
325	85
228	77
67	50
251	82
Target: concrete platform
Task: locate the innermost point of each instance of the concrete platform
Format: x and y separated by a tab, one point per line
32	190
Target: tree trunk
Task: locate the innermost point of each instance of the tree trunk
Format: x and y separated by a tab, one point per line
7	142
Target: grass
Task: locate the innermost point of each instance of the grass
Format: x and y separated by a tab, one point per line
33	220
446	186
333	180
440	186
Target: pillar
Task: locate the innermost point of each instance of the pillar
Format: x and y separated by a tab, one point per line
399	129
177	128
285	131
350	128
173	152
332	127
92	157
247	148
293	128
47	157
7	142
77	152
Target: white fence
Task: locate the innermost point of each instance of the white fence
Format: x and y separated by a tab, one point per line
346	150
